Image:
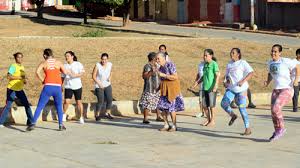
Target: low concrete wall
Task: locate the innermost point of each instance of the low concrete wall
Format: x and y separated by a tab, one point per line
120	108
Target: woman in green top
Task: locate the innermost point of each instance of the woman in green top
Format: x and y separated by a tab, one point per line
210	78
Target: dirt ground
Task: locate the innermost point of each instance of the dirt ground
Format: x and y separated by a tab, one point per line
128	56
127	51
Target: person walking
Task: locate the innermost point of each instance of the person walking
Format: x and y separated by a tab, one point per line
103	90
296	88
15	88
72	83
279	70
238	72
52	82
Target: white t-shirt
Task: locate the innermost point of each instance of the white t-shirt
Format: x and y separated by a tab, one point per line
294	70
200	73
103	74
73	83
235	72
281	72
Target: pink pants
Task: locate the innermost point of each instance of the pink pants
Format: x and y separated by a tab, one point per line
280	97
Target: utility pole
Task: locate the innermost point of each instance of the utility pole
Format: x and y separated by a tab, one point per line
252	12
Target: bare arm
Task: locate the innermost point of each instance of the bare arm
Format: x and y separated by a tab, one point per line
197	81
38	72
94	76
268	80
217	76
169	77
240	83
297	75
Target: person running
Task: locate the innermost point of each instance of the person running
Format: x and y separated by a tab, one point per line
72	83
17	79
52	82
211	75
103	90
150	95
238	72
296	88
171	100
163	48
198	82
279	70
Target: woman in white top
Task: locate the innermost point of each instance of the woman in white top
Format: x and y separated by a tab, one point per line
103	89
238	72
72	83
280	69
296	88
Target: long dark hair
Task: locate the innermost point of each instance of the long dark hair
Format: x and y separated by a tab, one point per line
73	54
48	53
211	52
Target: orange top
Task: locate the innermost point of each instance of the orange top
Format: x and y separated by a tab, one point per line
52	74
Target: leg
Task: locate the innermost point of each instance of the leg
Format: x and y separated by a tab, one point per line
44	98
212	104
250	104
166	122
100	100
67	101
66	105
79	105
10	97
146	113
57	96
241	102
226	105
205	104
279	99
22	96
295	98
109	99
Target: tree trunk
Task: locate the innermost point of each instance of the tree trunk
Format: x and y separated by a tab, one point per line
40	6
126	14
85	12
113	12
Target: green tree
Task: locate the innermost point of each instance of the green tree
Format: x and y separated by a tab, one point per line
113	4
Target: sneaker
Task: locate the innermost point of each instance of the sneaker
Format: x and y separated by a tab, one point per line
295	109
64	117
146	122
98	118
172	129
251	105
81	120
159	119
165	128
198	115
30	127
108	116
62	128
277	134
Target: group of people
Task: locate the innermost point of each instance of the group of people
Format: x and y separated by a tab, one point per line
53	74
161	92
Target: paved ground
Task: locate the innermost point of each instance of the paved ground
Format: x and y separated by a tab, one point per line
137	145
181	31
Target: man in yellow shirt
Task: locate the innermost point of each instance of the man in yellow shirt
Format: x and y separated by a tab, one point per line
17	79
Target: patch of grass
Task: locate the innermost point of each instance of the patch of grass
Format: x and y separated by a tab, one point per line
106	143
91	33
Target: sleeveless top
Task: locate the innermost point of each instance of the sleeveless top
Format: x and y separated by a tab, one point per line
52	74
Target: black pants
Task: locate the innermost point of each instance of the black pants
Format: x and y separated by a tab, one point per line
103	95
295	97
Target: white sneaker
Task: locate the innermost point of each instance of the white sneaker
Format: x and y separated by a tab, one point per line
81	120
1	126
64	117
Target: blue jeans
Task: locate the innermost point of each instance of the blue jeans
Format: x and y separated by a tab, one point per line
56	93
241	101
10	97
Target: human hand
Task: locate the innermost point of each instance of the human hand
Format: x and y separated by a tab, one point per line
240	83
215	88
295	83
266	83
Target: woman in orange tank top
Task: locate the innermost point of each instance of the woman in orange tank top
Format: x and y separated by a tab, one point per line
52	87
